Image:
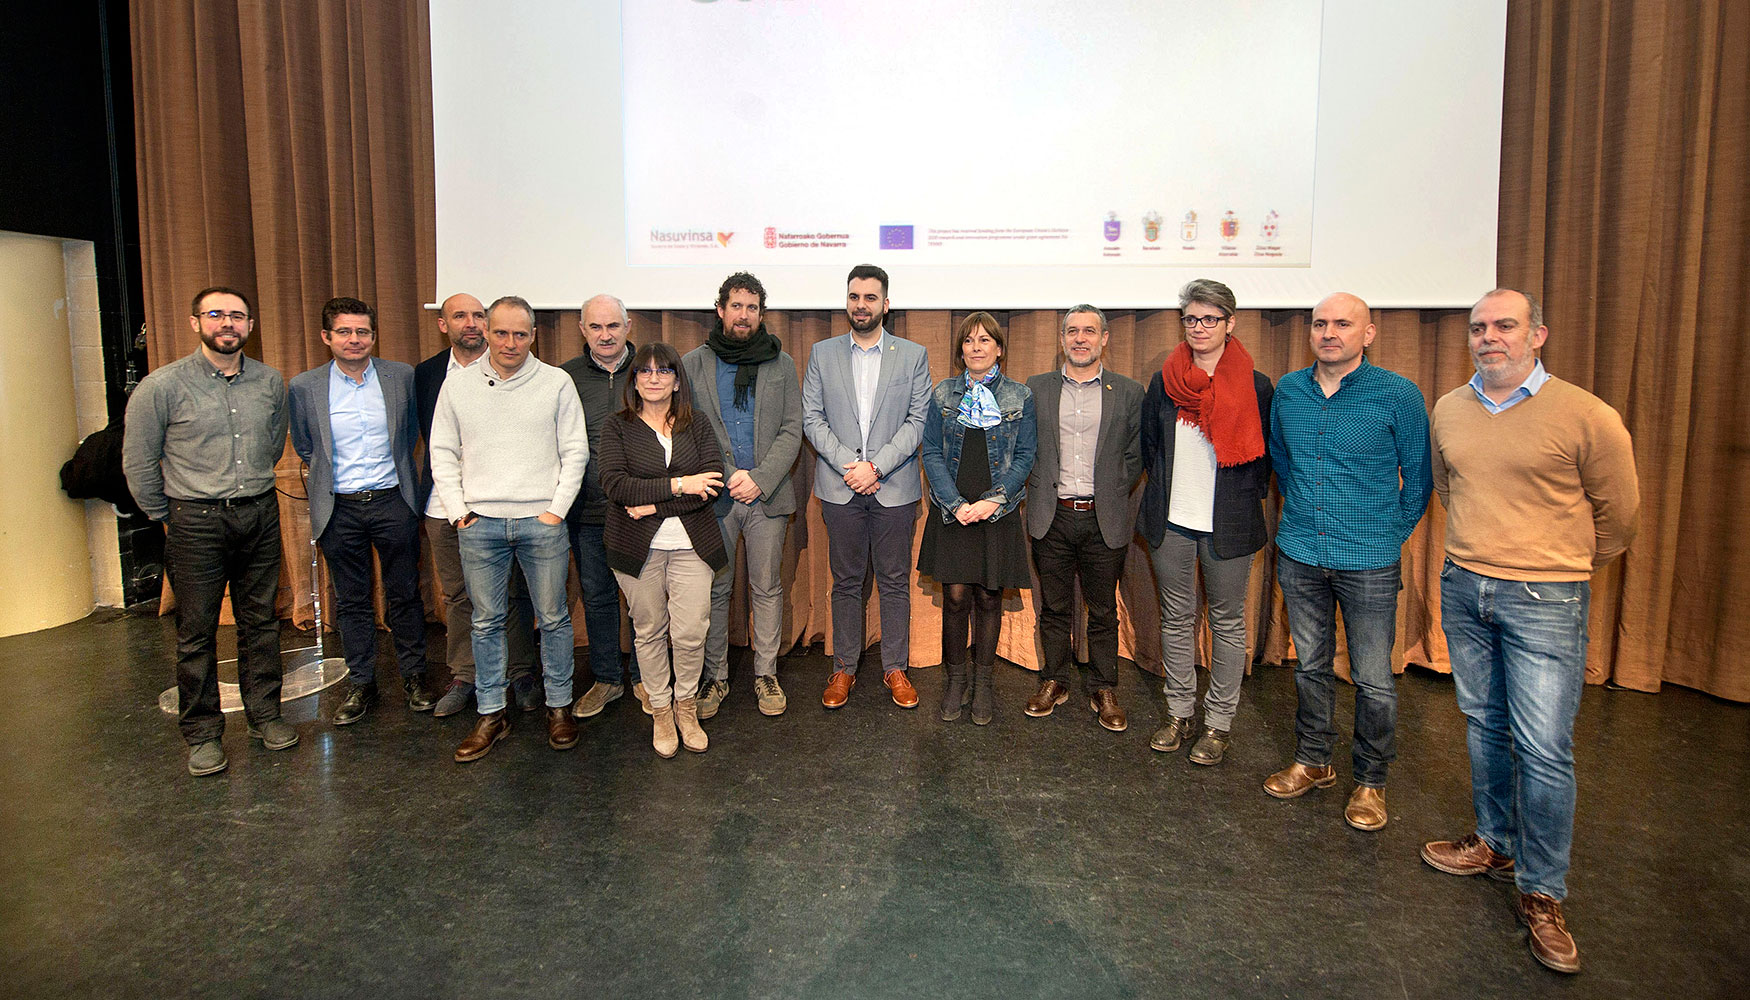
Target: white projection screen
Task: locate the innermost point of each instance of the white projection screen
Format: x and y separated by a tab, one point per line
987	153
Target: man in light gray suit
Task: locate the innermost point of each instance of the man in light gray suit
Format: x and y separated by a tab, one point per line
354	423
1090	448
746	385
863	405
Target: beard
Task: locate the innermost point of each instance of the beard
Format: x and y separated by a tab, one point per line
872	323
212	342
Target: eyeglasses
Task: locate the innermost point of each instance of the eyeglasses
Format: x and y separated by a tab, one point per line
219	316
1206	322
656	372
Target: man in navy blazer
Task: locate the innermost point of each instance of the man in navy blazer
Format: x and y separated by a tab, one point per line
864	399
354	424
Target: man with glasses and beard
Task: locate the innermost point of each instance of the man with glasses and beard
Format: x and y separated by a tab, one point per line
203	436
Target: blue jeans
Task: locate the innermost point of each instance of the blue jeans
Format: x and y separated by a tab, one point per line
1518	664
543	551
1369	599
601	605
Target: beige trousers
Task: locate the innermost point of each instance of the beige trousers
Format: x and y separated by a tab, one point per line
670	603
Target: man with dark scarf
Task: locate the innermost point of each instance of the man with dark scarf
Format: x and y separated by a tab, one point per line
746	386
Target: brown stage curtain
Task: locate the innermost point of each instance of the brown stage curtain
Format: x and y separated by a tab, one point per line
287	149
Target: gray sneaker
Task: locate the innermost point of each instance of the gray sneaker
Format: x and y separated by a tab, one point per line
711	697
771	696
595	699
454	700
275	734
207	758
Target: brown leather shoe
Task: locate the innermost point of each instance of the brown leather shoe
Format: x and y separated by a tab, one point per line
1468	855
1297	779
561	728
1366	808
1050	695
1105	704
904	695
1551	943
487	731
838	689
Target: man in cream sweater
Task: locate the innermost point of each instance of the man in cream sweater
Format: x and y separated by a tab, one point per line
1538	479
508	450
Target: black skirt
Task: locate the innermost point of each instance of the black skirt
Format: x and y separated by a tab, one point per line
992	554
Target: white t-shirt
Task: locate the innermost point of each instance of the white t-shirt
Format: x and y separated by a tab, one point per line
1193	501
671	534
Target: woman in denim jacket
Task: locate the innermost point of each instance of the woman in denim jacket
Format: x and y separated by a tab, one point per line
978	447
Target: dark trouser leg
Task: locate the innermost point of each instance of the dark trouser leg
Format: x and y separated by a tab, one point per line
891	530
1054	561
601	604
1312	606
253	564
1369	599
397	539
847	543
346	545
194	558
1099	566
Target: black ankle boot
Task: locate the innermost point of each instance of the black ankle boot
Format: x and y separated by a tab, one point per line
954	692
984	702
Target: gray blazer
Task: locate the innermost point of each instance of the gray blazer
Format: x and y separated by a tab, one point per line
829	419
777	423
314	441
1117	456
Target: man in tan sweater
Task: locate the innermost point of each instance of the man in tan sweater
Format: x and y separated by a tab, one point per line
1538	479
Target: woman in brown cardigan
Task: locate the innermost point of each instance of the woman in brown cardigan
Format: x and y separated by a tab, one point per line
661	469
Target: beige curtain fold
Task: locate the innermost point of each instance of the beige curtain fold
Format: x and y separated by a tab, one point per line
287	149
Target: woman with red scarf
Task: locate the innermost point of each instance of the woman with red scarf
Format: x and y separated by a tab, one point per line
1203	422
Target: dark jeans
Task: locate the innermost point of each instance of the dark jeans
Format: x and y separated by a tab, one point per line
601	605
1369	599
356	527
861	534
1073	548
211	545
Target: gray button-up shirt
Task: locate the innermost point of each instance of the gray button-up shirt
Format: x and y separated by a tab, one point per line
193	434
1078	434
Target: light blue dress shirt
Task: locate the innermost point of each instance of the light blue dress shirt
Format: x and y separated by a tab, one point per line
359	423
1526	390
866	378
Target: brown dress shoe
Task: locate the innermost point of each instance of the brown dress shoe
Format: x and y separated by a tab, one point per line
838	689
1366	808
1468	855
487	731
1105	705
561	728
1297	779
1050	695
1551	943
904	695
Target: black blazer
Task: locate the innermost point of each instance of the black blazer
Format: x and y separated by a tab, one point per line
428	381
1239	490
633	474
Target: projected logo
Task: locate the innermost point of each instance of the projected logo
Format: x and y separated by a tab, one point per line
1270	227
1188	227
724	238
1113	227
1230	226
1151	226
896	238
679	239
771	237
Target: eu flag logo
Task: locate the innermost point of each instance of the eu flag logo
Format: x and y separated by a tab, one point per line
896	238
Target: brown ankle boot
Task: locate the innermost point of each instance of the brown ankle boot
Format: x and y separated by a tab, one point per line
686	719
664	738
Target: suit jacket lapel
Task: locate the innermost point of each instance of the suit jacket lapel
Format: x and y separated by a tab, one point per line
326	420
1108	417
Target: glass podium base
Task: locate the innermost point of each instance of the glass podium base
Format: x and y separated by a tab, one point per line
306	673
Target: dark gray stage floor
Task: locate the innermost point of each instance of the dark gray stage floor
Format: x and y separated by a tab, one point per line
868	852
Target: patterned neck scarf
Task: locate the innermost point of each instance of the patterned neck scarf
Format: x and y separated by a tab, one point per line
978	408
